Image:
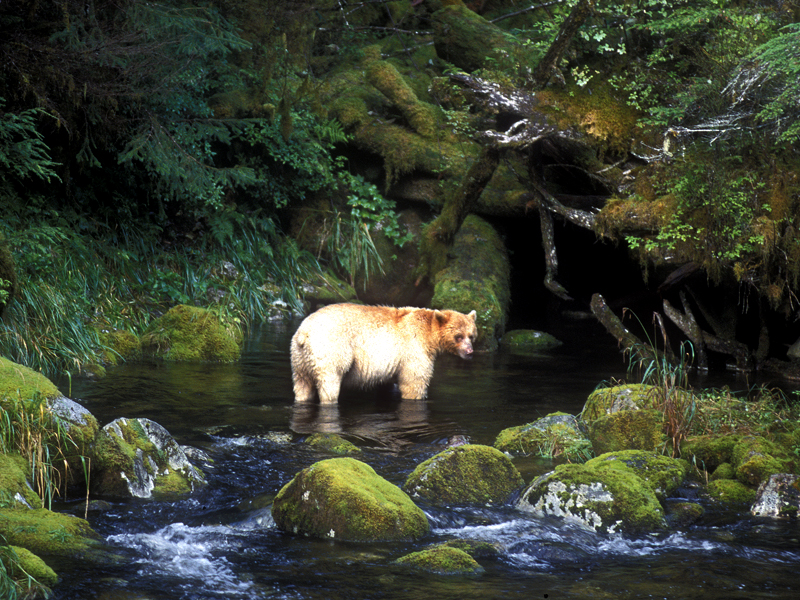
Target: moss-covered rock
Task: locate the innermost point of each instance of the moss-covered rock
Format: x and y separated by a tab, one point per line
662	473
138	458
21	564
477	277
442	560
15	489
603	499
627	430
190	333
723	471
120	346
528	340
730	493
468	474
684	514
17	381
606	401
344	499
708	452
557	434
755	458
47	533
333	443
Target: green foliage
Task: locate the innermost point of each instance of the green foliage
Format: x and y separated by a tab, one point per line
23	153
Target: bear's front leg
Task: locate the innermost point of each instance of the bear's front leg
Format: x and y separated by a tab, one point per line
413	385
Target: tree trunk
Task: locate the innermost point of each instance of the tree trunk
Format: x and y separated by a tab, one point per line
544	70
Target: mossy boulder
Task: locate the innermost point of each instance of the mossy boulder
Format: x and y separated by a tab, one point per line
755	458
344	499
442	560
662	473
47	533
603	499
606	401
468	474
138	458
557	434
684	514
20	564
708	452
723	471
17	381
778	497
15	489
190	333
119	346
627	430
528	341
477	277
333	443
730	492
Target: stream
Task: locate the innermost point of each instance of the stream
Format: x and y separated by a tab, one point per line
221	541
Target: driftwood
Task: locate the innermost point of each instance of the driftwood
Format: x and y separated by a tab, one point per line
614	326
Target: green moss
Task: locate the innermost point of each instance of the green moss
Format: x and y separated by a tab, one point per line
189	333
47	533
21	563
755	458
421	117
343	498
476	278
707	452
528	340
724	471
554	435
120	346
604	401
475	548
442	560
17	381
684	514
469	474
627	430
14	478
333	443
731	492
663	474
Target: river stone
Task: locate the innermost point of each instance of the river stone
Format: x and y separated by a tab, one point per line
139	458
468	474
190	333
602	499
626	430
344	499
554	435
606	401
755	458
442	560
662	473
778	496
333	443
730	492
528	340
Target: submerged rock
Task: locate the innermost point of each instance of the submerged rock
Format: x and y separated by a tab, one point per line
557	434
139	458
333	443
442	560
190	333
606	500
468	474
344	499
779	496
528	340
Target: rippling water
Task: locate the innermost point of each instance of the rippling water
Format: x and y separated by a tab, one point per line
221	542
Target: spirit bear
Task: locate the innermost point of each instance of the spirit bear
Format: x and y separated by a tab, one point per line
364	346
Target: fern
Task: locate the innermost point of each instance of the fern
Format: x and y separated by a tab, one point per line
23	153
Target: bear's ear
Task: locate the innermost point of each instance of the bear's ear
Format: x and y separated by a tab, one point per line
440	317
473	315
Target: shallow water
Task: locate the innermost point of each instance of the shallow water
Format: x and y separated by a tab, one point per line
221	542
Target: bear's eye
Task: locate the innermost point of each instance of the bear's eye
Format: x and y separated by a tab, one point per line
459	338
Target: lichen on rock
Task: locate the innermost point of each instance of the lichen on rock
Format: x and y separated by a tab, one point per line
344	499
468	474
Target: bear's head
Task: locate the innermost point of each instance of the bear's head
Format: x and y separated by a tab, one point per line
457	332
